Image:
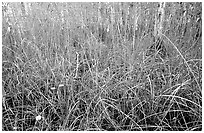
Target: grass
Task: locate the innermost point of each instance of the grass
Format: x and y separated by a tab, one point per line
101	66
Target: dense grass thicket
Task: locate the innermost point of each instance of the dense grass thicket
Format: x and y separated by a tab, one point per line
102	66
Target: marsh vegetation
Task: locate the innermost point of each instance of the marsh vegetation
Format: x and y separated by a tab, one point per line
102	66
